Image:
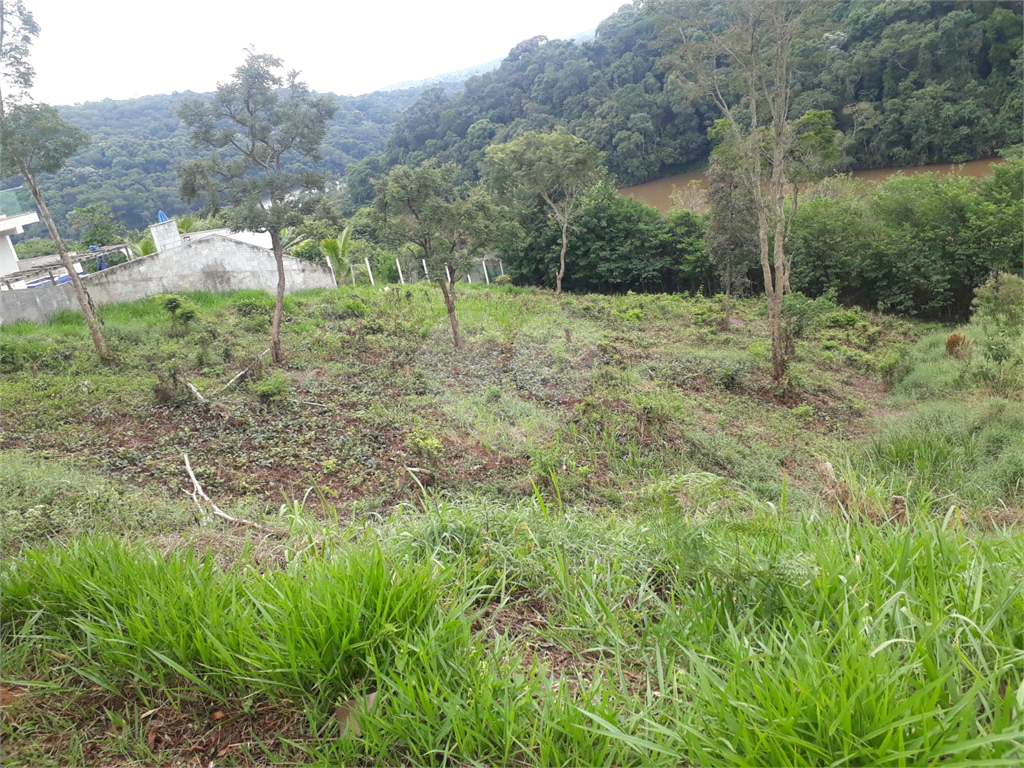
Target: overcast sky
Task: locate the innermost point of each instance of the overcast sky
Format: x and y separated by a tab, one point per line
118	49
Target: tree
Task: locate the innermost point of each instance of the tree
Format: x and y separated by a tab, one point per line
740	53
554	169
97	225
252	123
34	140
450	224
731	230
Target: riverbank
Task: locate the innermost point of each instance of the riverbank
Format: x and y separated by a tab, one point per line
659	191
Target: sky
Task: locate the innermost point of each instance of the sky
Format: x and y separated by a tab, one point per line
119	49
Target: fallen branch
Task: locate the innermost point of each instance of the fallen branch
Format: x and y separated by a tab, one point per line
199	492
196	394
242	372
309	402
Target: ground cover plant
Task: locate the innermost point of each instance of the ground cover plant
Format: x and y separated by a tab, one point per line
598	534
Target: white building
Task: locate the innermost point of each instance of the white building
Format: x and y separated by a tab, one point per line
12	225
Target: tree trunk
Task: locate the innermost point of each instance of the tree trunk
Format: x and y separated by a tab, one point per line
449	303
275	326
773	297
88	310
728	296
561	258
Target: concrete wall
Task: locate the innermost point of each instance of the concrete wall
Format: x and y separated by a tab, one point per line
214	263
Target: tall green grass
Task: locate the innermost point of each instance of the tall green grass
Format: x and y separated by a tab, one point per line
128	615
970	454
747	637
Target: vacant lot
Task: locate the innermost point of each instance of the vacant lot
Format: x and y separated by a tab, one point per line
599	534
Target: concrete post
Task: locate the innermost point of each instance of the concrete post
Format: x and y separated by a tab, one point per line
400	278
483	263
368	270
425	273
448	273
501	265
166	235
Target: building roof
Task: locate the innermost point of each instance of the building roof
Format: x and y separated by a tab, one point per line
13	225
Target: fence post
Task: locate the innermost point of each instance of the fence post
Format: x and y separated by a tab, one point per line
426	274
483	263
400	278
501	265
352	271
368	270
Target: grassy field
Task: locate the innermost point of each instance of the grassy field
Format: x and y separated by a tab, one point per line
600	534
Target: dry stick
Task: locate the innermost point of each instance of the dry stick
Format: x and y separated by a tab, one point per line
196	394
242	372
309	402
198	491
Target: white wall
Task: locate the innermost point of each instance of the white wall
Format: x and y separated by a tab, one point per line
215	263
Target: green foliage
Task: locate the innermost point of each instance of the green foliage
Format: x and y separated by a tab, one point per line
919	245
256	119
618	244
427	208
801	314
999	303
36	139
272	388
35	246
731	228
96	225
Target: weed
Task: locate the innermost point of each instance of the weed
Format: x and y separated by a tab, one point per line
271	388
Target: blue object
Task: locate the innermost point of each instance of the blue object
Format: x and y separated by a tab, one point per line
161	217
101	263
94	247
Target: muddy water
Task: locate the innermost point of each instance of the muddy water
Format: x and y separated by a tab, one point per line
657	193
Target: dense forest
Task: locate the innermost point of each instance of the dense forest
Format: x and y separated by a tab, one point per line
908	83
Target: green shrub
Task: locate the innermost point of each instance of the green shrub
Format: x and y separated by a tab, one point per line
1000	302
353	308
800	314
254	304
894	367
271	388
844	319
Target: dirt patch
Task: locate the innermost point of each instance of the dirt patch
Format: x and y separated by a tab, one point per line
114	730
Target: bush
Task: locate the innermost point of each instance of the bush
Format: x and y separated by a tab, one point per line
1000	302
271	388
800	313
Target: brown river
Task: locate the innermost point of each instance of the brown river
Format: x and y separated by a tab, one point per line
657	192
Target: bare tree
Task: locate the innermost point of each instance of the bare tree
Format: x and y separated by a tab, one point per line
740	53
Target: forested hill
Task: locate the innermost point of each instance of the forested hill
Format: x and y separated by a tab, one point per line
137	144
909	83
